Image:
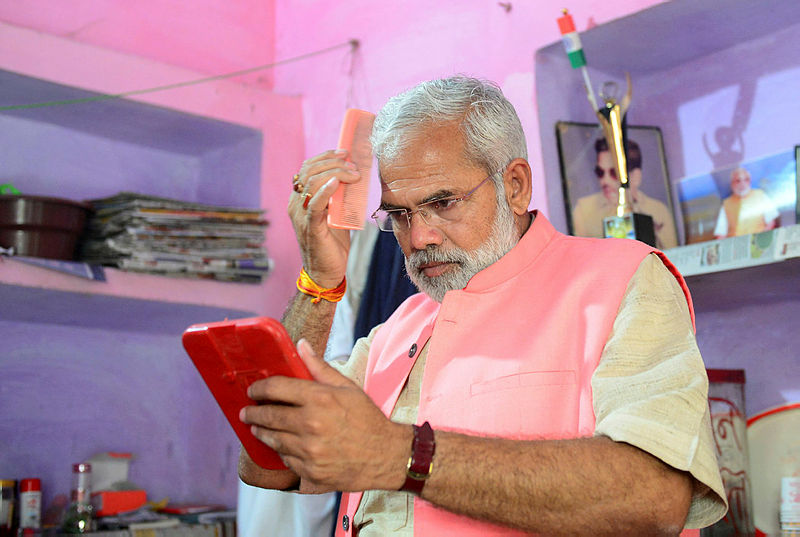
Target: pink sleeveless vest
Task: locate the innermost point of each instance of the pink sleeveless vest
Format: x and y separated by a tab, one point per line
510	355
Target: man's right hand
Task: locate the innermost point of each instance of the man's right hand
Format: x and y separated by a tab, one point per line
324	250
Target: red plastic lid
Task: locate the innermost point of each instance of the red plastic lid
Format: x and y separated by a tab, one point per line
735	376
32	484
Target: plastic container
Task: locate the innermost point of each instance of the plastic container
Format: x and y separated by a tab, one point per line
40	226
30	503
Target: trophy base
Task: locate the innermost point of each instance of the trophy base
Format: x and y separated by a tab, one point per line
635	226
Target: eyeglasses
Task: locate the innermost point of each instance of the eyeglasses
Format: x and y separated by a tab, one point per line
600	172
435	212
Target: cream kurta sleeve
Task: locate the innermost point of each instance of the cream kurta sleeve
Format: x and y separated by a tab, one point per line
651	389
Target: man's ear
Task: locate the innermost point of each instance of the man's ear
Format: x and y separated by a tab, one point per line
517	180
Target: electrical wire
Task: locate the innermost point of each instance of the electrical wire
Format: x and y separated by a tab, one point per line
352	43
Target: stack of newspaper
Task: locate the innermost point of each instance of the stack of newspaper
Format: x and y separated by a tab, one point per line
171	237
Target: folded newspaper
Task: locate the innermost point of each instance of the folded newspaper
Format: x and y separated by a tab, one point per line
177	238
737	252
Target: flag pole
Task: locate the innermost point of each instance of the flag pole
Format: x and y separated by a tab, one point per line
572	44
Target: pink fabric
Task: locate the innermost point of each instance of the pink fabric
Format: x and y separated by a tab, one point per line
542	315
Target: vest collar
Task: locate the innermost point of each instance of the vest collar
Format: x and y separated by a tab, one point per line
538	235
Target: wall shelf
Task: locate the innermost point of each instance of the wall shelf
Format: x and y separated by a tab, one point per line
734	253
123	285
97	146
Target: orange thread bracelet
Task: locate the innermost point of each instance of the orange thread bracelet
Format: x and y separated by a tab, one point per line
309	287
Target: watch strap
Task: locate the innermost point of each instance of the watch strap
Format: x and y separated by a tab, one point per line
420	463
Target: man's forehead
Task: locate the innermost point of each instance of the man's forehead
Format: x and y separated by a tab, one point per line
415	188
431	161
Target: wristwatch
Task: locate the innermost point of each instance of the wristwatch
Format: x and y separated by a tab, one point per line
420	463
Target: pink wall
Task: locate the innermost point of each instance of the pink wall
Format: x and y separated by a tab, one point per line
208	36
402	43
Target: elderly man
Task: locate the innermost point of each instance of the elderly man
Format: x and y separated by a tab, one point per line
539	383
589	211
746	210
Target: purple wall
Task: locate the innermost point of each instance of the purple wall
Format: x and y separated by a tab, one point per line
126	384
747	319
100	148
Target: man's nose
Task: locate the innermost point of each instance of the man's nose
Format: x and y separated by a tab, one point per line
422	233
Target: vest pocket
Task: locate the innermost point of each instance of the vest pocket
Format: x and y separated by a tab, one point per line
534	378
537	404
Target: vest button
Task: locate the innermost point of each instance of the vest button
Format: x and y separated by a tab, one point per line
412	351
345	522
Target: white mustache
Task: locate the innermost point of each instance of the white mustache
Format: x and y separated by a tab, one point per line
436	255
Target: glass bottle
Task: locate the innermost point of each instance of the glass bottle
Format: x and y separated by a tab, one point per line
7	507
78	517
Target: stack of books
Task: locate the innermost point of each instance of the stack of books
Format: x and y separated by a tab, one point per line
176	238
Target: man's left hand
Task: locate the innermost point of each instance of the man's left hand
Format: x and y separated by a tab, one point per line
328	430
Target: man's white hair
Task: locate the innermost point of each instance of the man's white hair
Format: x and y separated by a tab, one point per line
492	131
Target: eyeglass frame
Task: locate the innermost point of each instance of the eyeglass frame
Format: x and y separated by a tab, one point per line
421	207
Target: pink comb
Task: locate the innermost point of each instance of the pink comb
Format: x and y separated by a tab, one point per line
347	207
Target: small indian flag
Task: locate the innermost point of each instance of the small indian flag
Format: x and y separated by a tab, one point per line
571	40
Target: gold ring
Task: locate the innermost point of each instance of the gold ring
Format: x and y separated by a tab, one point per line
306	199
297	185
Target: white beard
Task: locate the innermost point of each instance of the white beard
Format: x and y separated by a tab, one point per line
500	241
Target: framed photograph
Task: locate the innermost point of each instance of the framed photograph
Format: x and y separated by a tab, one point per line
797	184
746	198
591	188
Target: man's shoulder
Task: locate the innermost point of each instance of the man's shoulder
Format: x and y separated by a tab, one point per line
586	253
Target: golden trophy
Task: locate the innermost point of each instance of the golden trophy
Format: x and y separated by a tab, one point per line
626	223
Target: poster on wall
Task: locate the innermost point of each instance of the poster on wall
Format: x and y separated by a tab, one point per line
748	198
591	188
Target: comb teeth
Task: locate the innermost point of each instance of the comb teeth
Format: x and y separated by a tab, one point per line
348	206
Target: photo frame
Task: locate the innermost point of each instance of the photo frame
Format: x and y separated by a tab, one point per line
584	202
772	177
